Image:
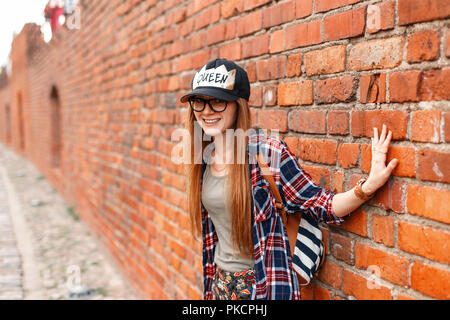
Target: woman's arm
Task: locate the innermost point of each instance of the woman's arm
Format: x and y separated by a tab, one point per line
346	202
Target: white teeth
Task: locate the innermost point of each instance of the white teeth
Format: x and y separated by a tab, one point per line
211	121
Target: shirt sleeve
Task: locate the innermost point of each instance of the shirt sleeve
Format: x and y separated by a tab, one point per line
301	193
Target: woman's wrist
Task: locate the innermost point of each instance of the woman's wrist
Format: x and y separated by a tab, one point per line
368	187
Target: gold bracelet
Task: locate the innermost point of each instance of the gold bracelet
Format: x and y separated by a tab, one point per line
361	194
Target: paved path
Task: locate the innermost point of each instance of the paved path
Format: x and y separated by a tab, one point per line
10	259
46	252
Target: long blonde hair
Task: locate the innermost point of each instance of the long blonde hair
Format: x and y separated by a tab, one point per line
238	183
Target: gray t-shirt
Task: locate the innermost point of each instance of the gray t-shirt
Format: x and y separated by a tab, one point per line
216	201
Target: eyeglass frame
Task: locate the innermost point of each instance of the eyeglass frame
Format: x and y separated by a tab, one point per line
207	101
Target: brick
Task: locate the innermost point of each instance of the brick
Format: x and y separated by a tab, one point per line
187	27
331	274
425	126
372	88
341	89
327	5
231	30
423	241
320	176
338	122
200	58
253	117
255	46
279	14
343	25
447	126
277	41
321	293
348	155
447	44
376	54
273	119
249	23
216	34
391	196
307	121
392	268
294	65
250	67
363	122
325	237
303	8
434	165
356	223
380	16
406	156
207	17
231	51
307	292
383	230
423	46
435	85
292	143
295	93
338	181
251	4
320	151
358	287
271	69
255	99
325	61
304	34
429	202
341	248
404	86
412	11
430	280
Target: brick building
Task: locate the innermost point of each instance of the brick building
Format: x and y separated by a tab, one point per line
95	107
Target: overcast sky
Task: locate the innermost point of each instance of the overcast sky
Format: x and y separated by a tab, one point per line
13	15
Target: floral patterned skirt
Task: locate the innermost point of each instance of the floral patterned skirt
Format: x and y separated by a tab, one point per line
232	285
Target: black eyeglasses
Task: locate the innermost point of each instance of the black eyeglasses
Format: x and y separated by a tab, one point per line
199	104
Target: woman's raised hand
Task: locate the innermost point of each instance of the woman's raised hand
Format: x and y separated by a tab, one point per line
379	172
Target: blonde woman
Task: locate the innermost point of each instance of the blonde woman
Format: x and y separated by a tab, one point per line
246	253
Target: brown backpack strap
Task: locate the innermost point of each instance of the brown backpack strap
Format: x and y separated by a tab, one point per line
273	186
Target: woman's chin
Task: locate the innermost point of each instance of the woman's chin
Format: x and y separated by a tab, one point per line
212	131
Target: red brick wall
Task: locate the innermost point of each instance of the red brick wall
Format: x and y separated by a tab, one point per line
324	72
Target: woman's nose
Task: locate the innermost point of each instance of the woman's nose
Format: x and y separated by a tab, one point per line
208	110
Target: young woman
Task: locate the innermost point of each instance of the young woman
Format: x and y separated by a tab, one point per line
245	247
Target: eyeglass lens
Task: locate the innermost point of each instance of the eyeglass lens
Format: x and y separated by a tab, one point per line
199	104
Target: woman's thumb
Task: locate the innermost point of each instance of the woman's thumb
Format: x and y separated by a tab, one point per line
392	164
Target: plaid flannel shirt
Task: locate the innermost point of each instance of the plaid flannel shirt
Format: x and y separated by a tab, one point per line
275	278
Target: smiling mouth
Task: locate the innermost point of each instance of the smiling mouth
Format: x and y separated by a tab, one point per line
211	120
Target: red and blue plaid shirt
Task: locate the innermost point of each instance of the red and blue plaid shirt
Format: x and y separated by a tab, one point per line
275	278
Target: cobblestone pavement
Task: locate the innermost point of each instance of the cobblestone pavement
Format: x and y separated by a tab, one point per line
10	261
45	251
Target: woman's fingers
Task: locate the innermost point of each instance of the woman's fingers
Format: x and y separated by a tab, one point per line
375	135
383	134
388	139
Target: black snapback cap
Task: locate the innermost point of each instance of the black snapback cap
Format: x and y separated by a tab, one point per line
221	79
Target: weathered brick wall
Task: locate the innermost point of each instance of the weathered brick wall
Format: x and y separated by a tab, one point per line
323	72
